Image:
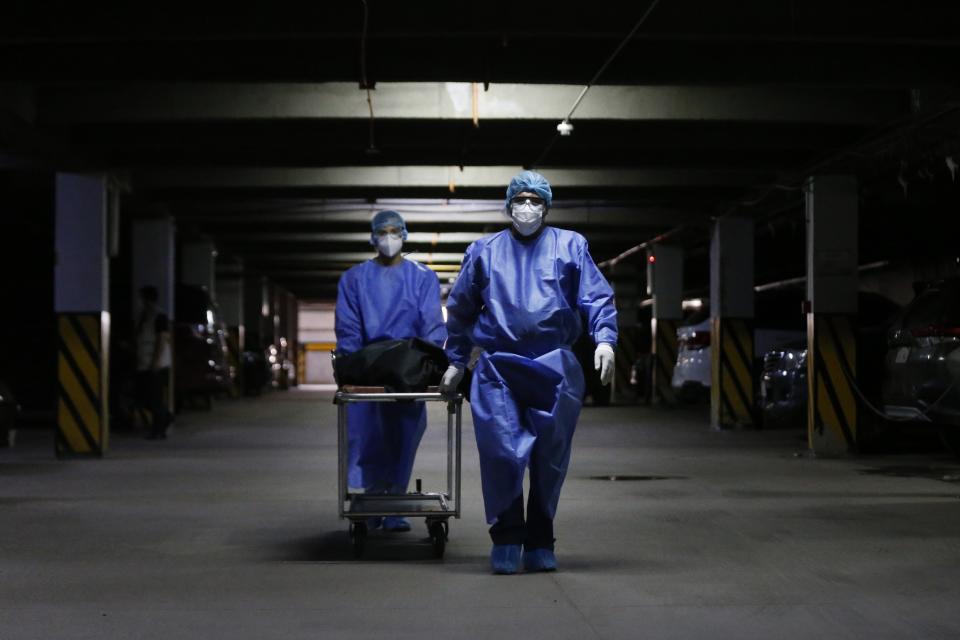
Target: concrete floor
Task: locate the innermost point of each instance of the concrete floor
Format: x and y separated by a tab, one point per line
229	530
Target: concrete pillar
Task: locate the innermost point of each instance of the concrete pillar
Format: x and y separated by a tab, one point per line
831	204
293	338
665	284
231	289
274	295
198	260
280	309
256	303
154	255
154	264
627	295
230	293
81	300
731	311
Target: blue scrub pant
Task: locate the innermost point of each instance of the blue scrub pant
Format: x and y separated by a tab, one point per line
525	411
383	441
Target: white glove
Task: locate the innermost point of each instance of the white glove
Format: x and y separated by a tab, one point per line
451	380
603	362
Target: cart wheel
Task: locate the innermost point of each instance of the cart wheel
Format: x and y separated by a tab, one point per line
358	535
438	536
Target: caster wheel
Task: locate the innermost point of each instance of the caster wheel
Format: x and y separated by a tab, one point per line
438	537
358	536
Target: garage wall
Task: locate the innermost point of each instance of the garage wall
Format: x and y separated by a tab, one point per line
317	339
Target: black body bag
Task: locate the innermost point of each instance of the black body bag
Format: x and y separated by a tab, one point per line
400	366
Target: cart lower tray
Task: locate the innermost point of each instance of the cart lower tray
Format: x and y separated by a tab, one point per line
408	505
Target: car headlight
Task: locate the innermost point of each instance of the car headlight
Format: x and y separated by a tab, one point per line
794	359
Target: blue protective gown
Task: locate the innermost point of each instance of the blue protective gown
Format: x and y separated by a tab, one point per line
377	303
525	304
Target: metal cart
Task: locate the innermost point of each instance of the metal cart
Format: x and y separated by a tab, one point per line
436	508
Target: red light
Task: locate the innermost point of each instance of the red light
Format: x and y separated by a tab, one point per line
935	331
651	258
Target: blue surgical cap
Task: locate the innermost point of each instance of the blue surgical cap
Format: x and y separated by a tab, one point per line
532	182
387	219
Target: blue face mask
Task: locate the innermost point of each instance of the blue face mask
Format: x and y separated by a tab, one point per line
527	217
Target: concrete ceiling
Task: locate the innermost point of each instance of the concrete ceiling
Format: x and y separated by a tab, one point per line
250	125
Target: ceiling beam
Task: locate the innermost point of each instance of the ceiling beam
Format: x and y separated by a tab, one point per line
384	177
258	237
312	273
560	214
167	102
261	259
360	237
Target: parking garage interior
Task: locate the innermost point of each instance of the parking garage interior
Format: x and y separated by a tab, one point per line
770	188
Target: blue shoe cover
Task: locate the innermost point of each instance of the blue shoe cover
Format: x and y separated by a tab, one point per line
505	558
374	523
395	523
539	560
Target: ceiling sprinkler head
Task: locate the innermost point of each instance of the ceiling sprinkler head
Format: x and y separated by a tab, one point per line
565	128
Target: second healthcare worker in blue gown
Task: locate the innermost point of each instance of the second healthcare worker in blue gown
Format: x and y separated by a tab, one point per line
386	298
524	296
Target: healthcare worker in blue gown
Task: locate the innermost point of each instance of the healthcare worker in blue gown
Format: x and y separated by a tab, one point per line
524	296
386	298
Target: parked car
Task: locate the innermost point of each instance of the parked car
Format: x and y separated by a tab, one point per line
201	358
783	385
783	380
282	368
922	366
692	373
9	409
779	321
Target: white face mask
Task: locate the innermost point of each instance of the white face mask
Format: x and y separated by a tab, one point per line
389	245
527	217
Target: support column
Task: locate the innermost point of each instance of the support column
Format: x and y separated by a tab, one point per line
198	260
256	308
731	311
665	284
154	253
81	295
832	283
293	338
279	311
154	264
271	323
230	290
626	294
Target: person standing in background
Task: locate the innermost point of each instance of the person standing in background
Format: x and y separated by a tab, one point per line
154	359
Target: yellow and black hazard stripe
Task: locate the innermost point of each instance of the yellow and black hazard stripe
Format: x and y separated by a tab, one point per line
319	346
831	367
665	360
731	386
82	416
